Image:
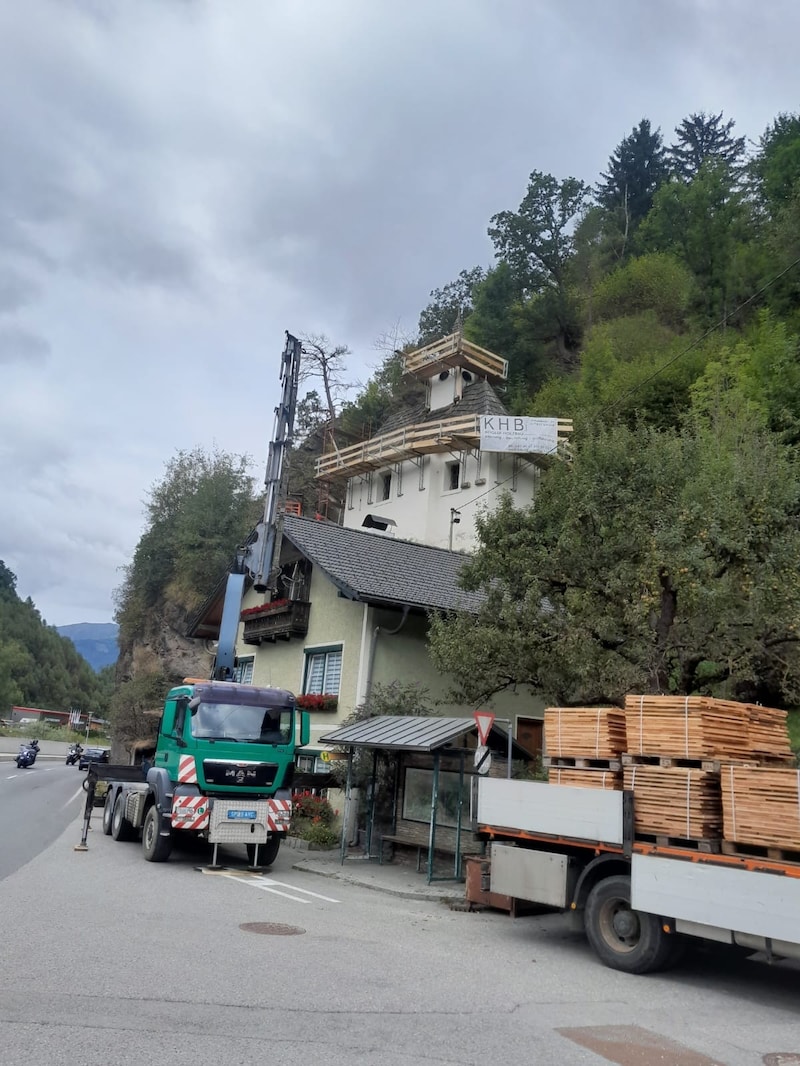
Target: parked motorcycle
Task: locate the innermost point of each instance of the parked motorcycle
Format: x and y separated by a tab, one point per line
27	754
74	753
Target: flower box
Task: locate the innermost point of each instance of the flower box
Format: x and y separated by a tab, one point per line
272	607
315	702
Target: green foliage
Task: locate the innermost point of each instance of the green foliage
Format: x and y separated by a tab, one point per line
656	561
655	282
197	516
447	304
312	820
38	667
776	167
705	138
136	705
636	169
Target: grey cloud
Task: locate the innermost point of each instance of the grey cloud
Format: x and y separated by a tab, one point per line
18	345
16	291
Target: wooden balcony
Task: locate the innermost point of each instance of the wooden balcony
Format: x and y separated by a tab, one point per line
290	620
462	433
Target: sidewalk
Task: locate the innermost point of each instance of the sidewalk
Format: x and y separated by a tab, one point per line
396	878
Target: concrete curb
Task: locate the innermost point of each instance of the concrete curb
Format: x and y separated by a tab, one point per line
337	872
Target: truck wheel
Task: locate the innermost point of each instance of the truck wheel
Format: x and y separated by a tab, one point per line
121	828
623	938
267	853
156	848
108	813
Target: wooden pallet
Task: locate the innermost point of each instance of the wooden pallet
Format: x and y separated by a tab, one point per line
761	806
711	845
584	732
675	801
756	851
585	778
564	762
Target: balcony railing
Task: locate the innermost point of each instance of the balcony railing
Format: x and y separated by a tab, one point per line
280	623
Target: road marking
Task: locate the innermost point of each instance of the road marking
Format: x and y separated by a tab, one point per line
11	777
265	884
73	798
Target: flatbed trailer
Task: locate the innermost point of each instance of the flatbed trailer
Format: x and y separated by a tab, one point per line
574	849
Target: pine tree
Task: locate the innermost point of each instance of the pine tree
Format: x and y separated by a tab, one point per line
704	137
636	169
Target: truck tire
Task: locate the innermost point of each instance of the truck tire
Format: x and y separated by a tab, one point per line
108	813
267	853
121	828
156	848
623	938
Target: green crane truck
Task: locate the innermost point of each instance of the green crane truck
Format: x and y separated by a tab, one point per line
222	770
223	762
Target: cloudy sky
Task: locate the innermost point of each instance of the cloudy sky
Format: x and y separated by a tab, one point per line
181	181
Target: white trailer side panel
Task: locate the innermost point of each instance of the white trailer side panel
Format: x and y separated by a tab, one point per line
557	810
746	901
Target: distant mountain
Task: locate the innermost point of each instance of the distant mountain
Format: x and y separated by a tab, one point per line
95	641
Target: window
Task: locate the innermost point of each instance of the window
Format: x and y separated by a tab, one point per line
417	797
323	672
452	475
386	486
243	674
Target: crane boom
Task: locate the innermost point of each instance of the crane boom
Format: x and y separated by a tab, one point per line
256	558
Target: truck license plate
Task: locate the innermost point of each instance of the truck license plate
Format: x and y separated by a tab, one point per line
243	816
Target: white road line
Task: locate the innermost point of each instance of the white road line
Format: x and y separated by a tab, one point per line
73	798
266	888
11	777
305	891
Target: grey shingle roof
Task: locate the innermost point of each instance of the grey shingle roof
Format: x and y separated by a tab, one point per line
479	399
377	569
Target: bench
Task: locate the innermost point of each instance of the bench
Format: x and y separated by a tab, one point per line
420	839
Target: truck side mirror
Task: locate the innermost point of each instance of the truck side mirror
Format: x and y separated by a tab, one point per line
305	727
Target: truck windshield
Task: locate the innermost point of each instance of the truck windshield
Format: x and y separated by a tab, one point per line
242	723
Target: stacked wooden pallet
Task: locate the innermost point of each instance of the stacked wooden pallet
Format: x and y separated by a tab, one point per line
584	732
588	777
768	733
583	746
761	806
689	727
677	802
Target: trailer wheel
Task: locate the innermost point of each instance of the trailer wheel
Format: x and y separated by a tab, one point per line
121	828
625	939
156	848
267	853
108	813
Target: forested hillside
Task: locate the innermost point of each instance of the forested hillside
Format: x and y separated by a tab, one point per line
659	308
39	668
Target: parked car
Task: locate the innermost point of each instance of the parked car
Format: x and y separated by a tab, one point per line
90	755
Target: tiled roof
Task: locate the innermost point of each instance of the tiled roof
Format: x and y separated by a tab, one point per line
379	569
479	399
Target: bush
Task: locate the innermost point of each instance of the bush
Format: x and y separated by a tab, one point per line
321	835
316	810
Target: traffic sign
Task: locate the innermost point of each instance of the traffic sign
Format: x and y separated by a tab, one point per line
484	720
483	759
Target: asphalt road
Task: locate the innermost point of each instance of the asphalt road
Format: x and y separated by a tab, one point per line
126	962
36	804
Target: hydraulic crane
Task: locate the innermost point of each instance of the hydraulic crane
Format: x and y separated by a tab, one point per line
255	558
